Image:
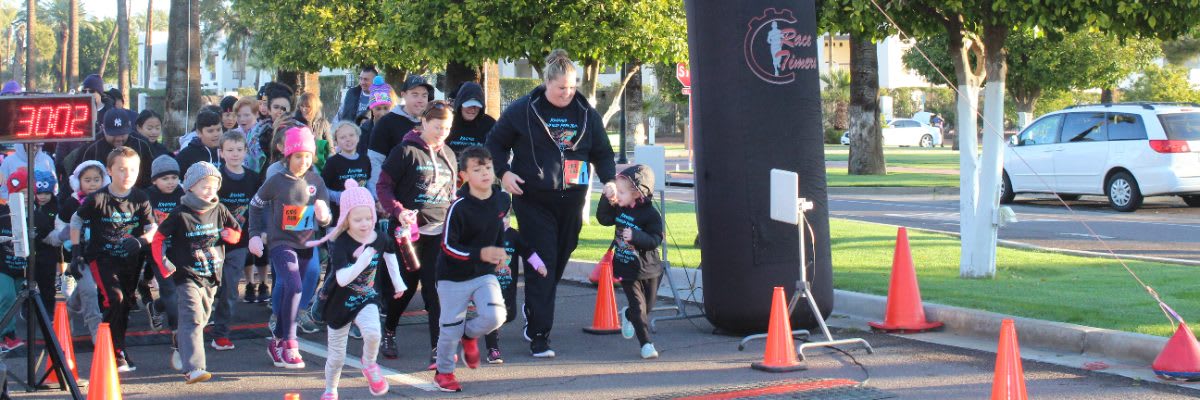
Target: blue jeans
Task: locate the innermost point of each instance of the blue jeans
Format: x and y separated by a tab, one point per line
308	282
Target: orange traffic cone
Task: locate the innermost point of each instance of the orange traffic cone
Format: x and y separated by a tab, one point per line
1180	358
1009	381
62	332
604	320
291	396
594	277
780	355
104	384
904	311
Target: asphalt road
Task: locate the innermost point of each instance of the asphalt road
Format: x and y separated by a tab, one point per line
1164	227
604	367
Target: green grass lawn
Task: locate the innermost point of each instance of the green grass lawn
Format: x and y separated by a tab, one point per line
908	157
837	177
1087	291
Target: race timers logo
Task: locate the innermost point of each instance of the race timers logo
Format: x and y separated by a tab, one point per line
773	47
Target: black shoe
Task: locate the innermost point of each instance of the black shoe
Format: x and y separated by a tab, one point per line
251	295
157	319
540	348
388	347
264	293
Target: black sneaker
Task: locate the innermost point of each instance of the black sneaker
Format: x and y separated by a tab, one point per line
124	364
264	293
251	295
157	319
540	348
388	347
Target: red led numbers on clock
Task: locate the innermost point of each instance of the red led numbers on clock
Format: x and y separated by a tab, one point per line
62	120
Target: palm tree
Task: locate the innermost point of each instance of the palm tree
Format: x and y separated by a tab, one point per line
221	25
836	91
183	67
123	46
57	13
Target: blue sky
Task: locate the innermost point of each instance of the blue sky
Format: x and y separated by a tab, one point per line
106	9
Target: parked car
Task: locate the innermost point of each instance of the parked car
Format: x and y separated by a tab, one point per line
906	132
1124	151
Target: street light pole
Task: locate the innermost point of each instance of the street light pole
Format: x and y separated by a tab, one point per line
621	159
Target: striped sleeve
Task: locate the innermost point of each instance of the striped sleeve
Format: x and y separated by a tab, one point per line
452	246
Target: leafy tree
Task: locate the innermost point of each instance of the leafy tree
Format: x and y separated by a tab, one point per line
94	37
1168	84
836	94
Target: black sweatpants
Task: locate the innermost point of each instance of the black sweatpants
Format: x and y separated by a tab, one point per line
508	290
117	281
428	248
641	294
44	275
550	223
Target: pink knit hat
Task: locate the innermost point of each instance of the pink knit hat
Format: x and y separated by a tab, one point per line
299	139
353	197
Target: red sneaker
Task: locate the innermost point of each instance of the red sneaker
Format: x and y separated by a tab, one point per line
447	383
222	344
471	352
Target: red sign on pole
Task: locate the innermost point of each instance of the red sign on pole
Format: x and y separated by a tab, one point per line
683	74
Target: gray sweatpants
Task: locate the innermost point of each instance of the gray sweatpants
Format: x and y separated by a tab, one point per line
83	304
227	294
368	323
455	296
195	306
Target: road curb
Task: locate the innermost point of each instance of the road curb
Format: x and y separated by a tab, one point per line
1063	337
892	191
1026	246
1060	337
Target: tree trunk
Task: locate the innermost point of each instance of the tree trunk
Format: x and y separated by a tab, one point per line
183	68
458	73
635	117
18	70
73	44
1025	104
394	78
112	38
841	115
30	46
148	57
979	236
61	68
1108	95
289	78
866	136
615	100
311	84
491	89
123	47
587	85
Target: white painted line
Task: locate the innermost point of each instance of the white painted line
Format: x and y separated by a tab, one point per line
1089	236
315	349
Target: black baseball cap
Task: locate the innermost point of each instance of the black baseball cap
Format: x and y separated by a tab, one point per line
117	122
417	80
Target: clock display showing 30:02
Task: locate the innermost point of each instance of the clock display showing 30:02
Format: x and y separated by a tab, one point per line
45	118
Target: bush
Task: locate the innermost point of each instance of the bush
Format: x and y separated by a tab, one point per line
1163	84
513	88
833	136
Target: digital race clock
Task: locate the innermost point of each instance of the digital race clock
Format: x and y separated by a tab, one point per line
49	118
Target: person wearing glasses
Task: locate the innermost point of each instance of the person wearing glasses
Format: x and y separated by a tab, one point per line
278	100
555	138
415	188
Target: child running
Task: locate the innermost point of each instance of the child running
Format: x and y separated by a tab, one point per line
639	232
164	196
472	251
194	260
238	185
80	290
121	228
355	259
297	198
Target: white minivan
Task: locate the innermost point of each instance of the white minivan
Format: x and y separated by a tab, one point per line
1124	151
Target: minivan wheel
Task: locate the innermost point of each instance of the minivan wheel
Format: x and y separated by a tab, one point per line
1192	201
927	141
1006	193
1123	193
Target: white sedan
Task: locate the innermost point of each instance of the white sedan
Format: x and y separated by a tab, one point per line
906	132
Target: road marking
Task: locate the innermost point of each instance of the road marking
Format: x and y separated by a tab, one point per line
1086	236
308	346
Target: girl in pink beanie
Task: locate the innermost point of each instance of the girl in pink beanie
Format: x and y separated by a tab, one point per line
296	201
349	293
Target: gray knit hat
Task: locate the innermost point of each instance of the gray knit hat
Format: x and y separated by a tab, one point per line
163	165
199	171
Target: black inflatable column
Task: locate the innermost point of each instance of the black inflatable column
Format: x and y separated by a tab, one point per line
757	106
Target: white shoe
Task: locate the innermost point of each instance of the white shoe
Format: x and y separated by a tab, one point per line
198	375
626	326
177	361
648	351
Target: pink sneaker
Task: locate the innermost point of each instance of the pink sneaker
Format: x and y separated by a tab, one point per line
291	355
275	350
329	396
375	380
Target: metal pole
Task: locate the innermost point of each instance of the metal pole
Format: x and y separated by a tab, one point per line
31	319
621	158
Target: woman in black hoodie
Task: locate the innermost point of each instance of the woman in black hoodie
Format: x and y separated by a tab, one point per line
471	125
553	135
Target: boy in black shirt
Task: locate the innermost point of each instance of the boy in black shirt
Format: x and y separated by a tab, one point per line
49	248
122	225
238	186
194	260
472	249
639	231
164	194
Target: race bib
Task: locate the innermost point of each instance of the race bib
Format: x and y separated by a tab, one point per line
575	172
298	218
